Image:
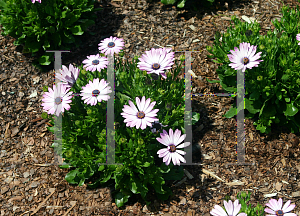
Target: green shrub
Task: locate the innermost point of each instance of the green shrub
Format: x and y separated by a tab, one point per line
49	25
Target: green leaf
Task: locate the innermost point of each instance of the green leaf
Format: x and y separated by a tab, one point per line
291	110
213	81
254	96
44	60
107	177
230	113
133	186
66	166
250	107
71	175
121	199
85	23
181	3
158	182
76	30
146	164
195	117
101	168
168	2
81	182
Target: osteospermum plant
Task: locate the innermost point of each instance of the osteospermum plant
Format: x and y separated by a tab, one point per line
148	102
271	66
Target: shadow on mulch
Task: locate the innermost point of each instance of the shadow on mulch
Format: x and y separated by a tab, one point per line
107	23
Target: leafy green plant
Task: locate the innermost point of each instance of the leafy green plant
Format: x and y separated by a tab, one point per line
272	89
139	168
49	25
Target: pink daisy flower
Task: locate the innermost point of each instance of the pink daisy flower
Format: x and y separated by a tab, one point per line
142	117
244	58
95	92
111	45
232	209
171	152
157	61
298	38
276	208
57	100
33	1
95	62
68	76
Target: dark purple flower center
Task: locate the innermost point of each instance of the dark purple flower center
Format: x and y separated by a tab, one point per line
95	93
172	148
95	62
155	66
58	100
111	44
279	213
140	115
245	60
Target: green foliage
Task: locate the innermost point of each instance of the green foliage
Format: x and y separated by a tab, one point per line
272	89
138	167
50	25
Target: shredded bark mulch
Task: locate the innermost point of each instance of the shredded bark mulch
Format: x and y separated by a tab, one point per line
31	185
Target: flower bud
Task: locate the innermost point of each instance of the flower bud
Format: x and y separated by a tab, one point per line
298	81
77	122
89	111
270	41
209	48
69	154
173	86
182	58
289	43
45	89
261	47
259	78
243	194
83	71
296	62
161	91
140	141
44	115
292	55
123	140
79	130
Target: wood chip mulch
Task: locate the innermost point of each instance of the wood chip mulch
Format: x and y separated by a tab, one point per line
31	185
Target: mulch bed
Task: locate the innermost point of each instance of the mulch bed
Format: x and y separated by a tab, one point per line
31	185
